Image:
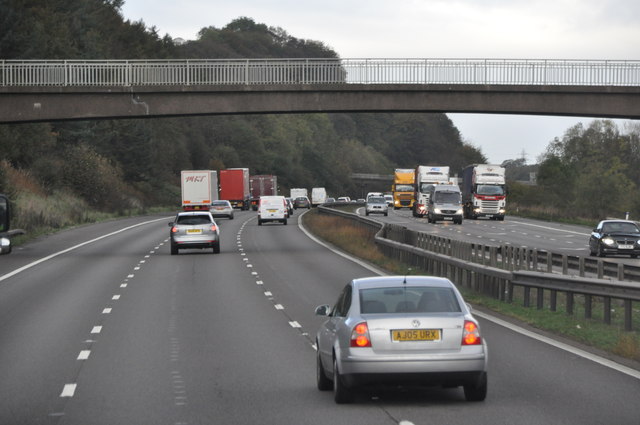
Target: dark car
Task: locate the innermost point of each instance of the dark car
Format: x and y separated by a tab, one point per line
301	202
620	237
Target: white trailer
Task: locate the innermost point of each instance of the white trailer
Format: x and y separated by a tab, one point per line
199	189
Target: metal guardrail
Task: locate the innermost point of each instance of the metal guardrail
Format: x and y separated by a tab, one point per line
488	271
128	73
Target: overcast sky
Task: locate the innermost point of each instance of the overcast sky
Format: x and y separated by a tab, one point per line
492	29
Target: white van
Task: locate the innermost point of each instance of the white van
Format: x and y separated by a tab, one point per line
445	203
272	208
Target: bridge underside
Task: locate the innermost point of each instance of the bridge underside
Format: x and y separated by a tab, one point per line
32	104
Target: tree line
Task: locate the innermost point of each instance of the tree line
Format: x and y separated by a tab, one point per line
120	165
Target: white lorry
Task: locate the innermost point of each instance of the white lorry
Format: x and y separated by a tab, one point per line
297	192
199	189
425	177
484	191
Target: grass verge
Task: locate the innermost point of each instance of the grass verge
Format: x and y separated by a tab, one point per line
359	242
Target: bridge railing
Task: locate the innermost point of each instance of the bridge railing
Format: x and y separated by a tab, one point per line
318	71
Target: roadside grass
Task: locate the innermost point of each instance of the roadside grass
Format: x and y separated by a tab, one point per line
593	332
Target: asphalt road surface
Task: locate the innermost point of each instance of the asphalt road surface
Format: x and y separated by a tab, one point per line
118	331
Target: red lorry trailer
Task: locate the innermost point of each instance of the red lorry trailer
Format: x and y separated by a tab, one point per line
262	185
234	187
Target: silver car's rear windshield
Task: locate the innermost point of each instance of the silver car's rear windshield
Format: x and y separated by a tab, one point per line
408	299
193	219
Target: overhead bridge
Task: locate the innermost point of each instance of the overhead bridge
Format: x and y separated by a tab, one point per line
75	90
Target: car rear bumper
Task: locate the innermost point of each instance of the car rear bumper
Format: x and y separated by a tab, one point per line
452	370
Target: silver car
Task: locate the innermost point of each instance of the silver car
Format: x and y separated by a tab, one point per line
221	209
400	330
376	205
194	229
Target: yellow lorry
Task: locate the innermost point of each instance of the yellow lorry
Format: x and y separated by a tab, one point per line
403	188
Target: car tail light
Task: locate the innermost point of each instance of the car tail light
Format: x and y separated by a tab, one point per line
214	228
471	334
360	335
174	229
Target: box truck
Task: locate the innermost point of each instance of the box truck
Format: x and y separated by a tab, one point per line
199	189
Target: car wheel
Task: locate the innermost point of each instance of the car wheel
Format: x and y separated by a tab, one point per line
284	221
174	250
324	383
366	213
216	248
341	394
386	214
231	217
259	222
477	392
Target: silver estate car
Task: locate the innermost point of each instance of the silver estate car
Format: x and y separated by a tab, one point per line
400	330
376	205
194	229
221	209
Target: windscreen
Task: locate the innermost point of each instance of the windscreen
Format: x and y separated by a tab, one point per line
441	197
404	188
193	219
408	299
492	190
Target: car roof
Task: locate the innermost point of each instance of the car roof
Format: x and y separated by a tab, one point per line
617	221
181	213
386	281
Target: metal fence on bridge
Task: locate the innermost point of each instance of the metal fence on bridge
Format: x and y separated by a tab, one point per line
127	73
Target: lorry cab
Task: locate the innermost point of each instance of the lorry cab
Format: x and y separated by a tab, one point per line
272	208
445	204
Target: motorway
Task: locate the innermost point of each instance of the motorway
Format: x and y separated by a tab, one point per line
559	238
101	325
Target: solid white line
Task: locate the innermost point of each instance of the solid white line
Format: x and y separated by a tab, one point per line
548	228
68	390
566	347
49	257
600	360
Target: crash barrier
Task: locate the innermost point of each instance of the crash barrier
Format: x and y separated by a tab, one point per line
498	271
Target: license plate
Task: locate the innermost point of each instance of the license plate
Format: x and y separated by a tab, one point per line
415	335
272	211
194	231
625	246
489	215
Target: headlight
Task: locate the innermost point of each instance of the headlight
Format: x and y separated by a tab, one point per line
459	212
608	241
436	210
502	211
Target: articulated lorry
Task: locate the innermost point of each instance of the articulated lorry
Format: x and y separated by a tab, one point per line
262	185
234	187
484	191
425	177
403	181
199	189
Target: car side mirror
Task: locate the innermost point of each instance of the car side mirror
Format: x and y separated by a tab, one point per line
171	224
323	310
